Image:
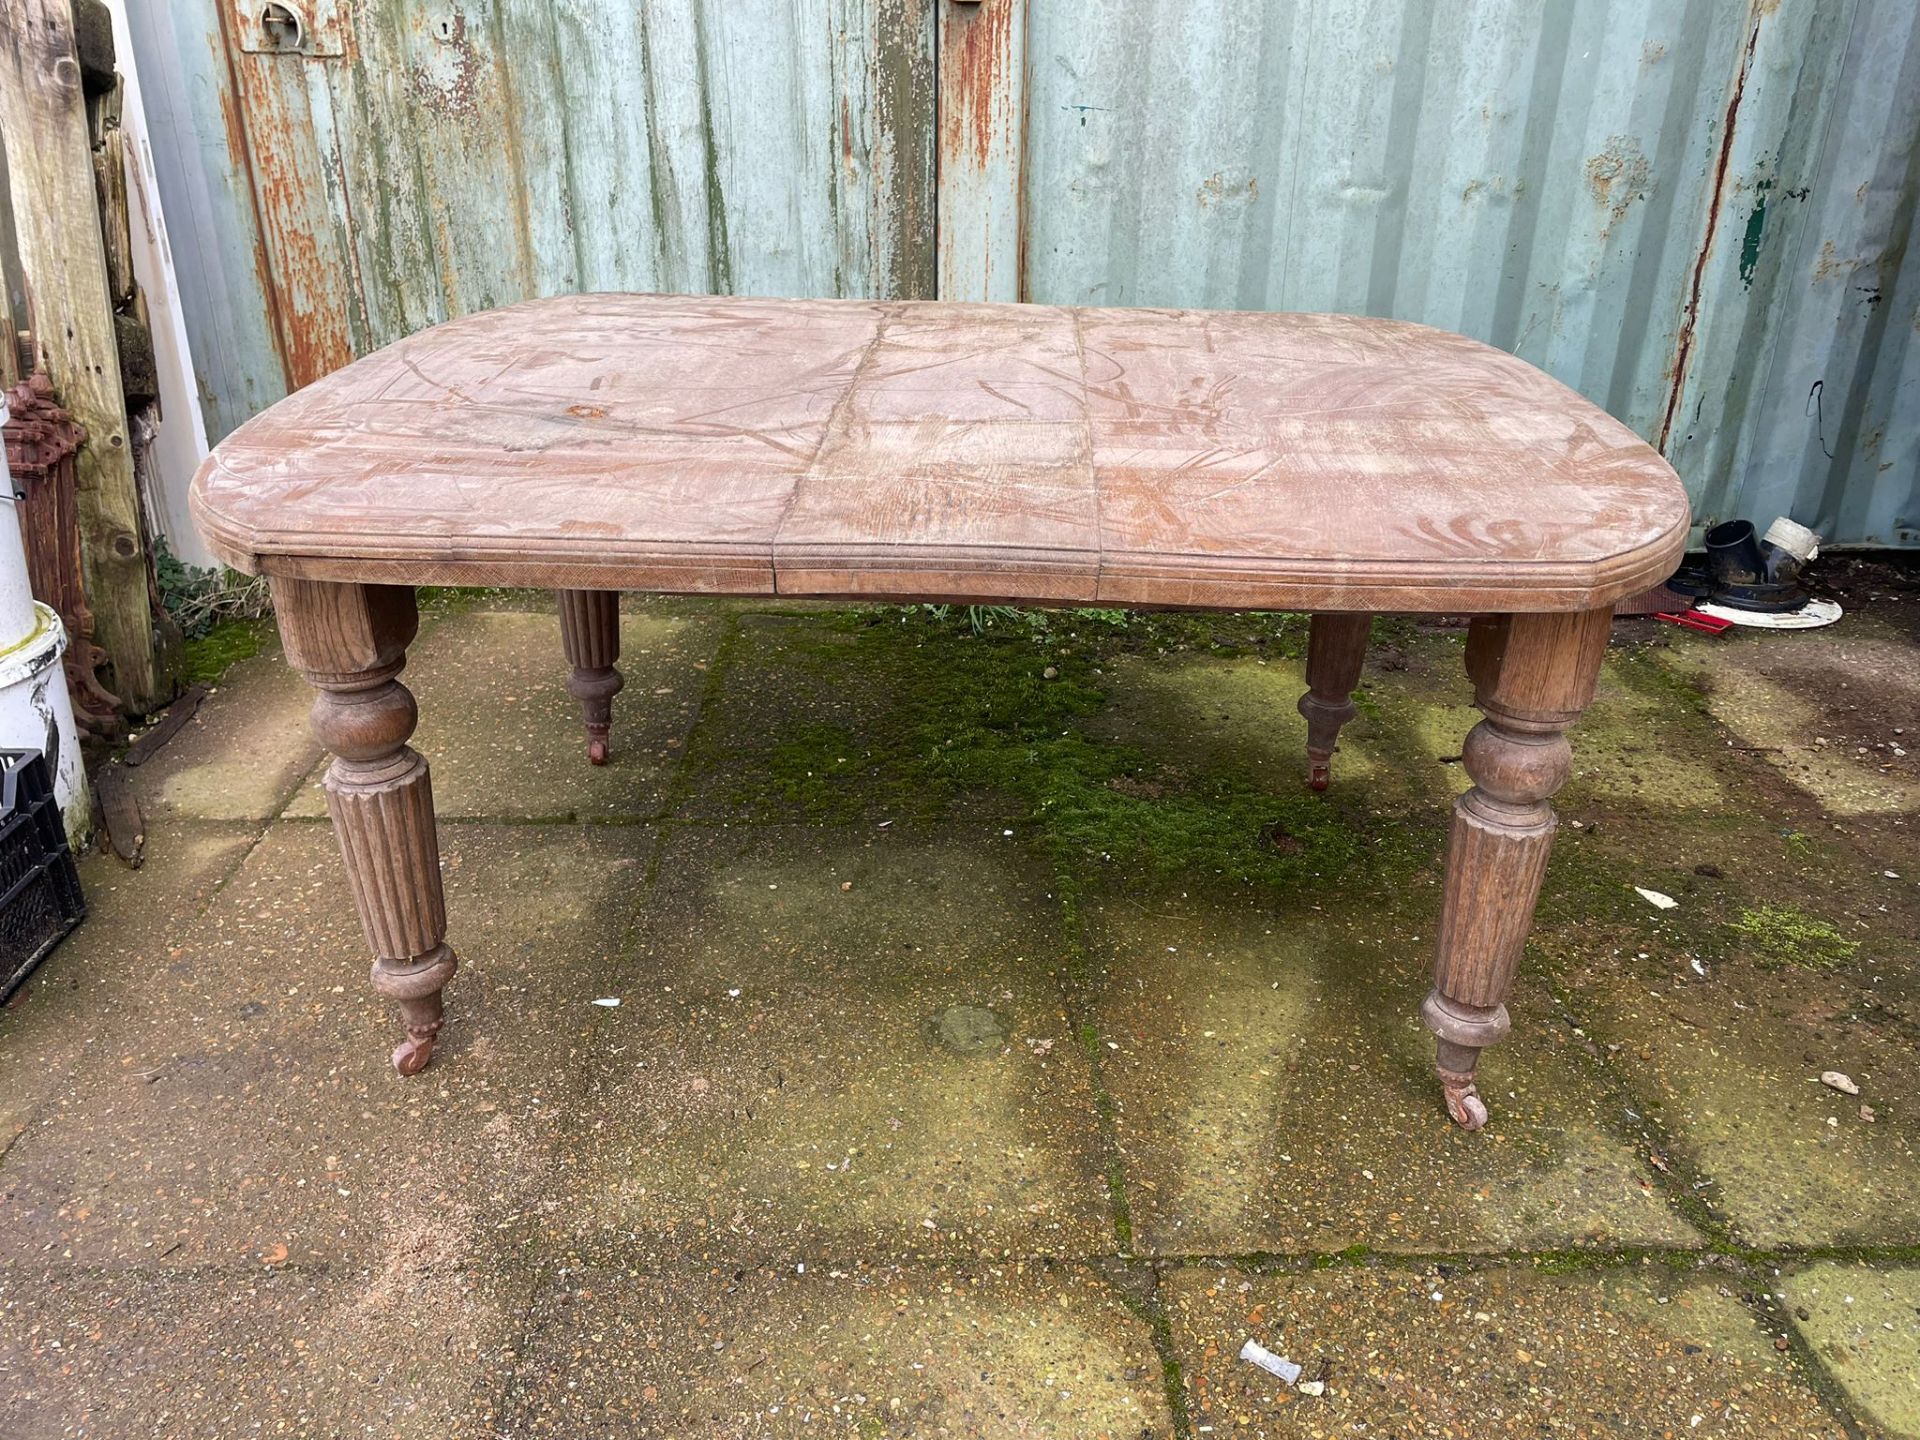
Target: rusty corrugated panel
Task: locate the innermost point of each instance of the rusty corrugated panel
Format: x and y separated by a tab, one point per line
982	126
211	220
393	162
1694	213
1802	395
1576	182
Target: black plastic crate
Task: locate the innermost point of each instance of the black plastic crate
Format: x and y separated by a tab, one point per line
39	883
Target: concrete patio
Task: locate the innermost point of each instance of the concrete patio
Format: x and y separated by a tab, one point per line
1004	1036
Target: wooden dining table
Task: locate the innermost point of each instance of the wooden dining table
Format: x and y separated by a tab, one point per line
928	451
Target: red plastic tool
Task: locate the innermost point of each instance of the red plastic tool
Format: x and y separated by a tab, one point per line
1694	620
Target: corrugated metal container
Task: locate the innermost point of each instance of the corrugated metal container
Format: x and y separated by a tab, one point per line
1693	211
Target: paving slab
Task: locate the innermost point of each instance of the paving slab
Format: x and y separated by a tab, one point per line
417	1347
504	737
1402	751
1504	1350
1199	714
799	728
1274	1092
1727	1067
56	1025
1863	1323
860	1350
1715	1018
243	1107
244	753
840	1043
1833	710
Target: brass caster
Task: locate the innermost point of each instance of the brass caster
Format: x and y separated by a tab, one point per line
411	1055
1464	1104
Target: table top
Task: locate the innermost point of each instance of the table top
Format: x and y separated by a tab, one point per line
950	451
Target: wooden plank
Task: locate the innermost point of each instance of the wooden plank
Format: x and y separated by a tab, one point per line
110	183
126	829
10	280
50	161
897	164
982	130
171	724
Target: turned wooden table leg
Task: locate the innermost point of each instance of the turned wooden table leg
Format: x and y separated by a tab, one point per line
1532	676
590	635
350	641
1336	649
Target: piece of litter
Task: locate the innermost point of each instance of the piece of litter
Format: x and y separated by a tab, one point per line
1655	898
611	1002
1312	1387
1835	1080
1257	1354
733	994
1867	1113
1698	968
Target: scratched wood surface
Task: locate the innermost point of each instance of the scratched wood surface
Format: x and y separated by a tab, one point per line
966	452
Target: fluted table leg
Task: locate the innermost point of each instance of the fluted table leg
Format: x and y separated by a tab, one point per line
350	642
1336	651
590	636
1532	675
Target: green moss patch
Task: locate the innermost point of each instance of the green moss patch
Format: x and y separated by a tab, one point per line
1781	935
912	713
206	657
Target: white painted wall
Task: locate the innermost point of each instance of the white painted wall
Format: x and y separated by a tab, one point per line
182	439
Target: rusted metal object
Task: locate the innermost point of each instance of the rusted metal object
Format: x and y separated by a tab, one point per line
42	442
314	28
1722	168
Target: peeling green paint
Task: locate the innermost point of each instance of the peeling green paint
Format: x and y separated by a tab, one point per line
719	256
1750	243
903	79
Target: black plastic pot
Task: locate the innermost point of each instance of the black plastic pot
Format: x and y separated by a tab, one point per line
1749	573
